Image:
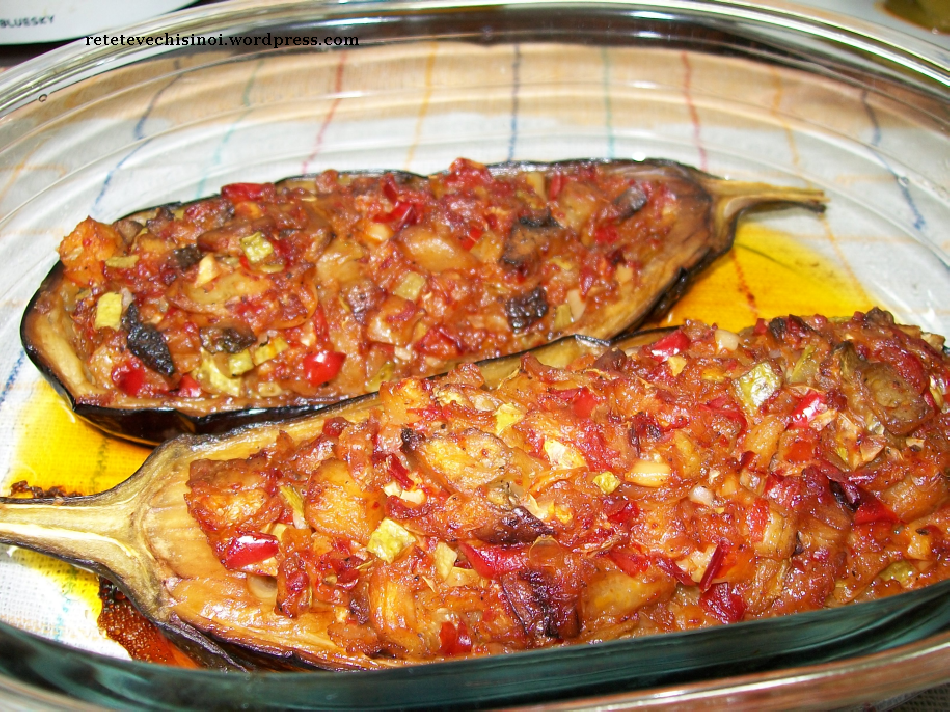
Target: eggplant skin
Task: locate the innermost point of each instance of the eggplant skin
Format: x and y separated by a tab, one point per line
45	327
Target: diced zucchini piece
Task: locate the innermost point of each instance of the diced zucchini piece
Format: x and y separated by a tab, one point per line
410	286
109	311
256	248
240	362
213	380
563	317
389	540
269	350
122	262
757	385
607	481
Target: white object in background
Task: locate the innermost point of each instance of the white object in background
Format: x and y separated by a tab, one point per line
28	21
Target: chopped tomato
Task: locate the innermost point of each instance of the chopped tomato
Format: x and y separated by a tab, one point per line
130	378
606	234
248	549
454	640
188	387
241	192
631	563
723	603
556	185
871	510
321	366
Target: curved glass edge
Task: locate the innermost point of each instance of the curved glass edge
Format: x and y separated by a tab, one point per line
550	675
915	59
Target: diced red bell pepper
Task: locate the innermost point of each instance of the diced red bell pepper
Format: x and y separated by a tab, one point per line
439	343
247	549
402	215
758	519
470	238
240	192
723	603
620	510
320	326
631	563
555	186
130	378
454	640
871	510
675	571
399	472
188	387
605	235
321	366
669	345
492	561
760	328
809	408
715	563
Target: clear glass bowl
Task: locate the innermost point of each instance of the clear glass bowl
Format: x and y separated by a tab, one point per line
766	92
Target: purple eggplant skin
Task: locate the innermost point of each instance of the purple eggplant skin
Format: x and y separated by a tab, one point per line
152	424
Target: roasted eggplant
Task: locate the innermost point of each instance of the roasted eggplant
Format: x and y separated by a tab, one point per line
582	492
273	300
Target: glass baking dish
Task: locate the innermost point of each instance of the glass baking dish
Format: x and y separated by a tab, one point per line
750	91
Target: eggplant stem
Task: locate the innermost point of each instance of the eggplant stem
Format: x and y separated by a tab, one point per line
96	533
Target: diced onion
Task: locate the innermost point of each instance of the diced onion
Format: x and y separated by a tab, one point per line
702	495
623	274
576	302
207	270
505	416
563	457
649	473
726	340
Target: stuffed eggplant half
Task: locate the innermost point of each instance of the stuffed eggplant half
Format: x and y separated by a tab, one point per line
271	300
580	493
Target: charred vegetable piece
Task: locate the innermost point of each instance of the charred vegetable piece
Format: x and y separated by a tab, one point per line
484	511
401	274
146	343
523	310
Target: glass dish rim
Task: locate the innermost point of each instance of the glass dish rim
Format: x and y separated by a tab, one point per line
70	63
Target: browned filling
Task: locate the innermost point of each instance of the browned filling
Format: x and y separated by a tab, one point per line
321	288
708	478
